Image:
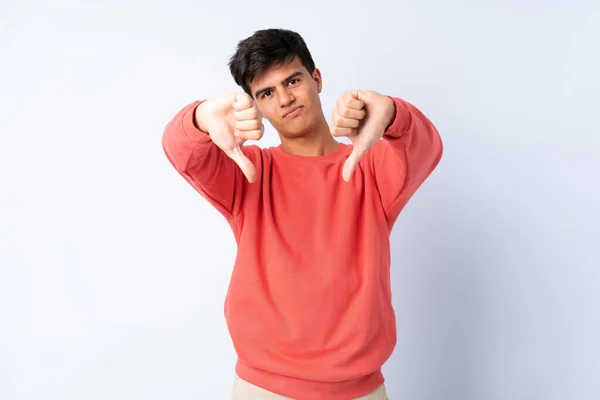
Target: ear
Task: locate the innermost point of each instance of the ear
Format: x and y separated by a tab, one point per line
318	78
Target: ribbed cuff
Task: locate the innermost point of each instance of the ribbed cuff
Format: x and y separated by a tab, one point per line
402	120
189	126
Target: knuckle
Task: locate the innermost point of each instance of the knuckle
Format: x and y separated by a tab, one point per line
245	103
255	135
338	132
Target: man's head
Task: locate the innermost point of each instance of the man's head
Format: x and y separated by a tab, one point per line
275	67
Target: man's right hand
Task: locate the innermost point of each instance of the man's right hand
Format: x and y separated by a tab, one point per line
230	120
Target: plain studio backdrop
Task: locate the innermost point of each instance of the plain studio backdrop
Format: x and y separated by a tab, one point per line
113	270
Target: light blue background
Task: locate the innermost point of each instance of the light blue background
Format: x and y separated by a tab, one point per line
113	271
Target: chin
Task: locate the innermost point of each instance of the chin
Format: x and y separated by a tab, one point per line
294	130
292	134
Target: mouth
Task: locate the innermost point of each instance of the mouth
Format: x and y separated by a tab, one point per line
293	112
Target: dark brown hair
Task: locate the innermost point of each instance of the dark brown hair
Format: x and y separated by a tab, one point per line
265	49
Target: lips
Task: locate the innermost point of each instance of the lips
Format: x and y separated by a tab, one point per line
291	111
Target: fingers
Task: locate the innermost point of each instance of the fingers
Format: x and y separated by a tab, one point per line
352	104
347	115
352	162
248	169
250	135
352	119
350	99
336	131
351	113
343	123
246	114
249	130
248	120
242	101
248	125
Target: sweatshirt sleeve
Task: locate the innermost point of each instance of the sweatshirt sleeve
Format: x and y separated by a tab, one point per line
203	164
410	150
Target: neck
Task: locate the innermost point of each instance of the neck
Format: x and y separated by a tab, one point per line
317	142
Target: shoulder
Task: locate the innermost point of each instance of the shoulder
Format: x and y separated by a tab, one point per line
252	151
378	150
258	155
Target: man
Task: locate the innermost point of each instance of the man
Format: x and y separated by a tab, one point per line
309	303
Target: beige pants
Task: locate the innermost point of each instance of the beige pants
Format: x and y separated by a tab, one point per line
243	390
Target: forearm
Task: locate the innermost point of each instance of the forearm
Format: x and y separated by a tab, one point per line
183	141
201	162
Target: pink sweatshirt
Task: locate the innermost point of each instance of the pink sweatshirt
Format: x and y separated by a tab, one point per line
309	303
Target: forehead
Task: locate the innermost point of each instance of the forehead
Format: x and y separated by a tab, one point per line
274	75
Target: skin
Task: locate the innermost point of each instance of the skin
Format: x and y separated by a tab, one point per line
231	119
283	88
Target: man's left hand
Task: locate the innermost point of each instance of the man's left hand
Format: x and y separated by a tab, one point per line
362	116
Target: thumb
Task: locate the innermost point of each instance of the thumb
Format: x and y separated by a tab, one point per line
248	169
352	162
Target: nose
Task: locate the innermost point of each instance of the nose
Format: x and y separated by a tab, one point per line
285	98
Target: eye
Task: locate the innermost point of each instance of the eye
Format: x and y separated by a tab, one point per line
266	93
293	81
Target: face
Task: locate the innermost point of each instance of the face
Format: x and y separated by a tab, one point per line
288	97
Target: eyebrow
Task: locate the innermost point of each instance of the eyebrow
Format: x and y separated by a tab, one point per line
286	80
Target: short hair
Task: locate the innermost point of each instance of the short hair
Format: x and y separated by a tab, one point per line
265	49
